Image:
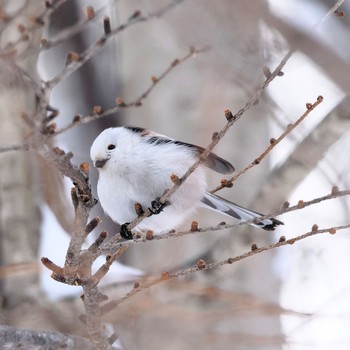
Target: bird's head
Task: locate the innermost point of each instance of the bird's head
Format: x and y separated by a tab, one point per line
104	147
115	145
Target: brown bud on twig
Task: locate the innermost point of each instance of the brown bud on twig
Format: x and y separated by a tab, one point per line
254	247
136	285
256	161
97	110
201	264
120	101
165	275
301	204
226	183
333	231
194	226
72	57
280	74
314	228
90	12
335	189
98	241
175	62
138	209
107	25
154	79
272	140
92	224
175	179
282	239
215	135
60	152
308	105
285	205
339	13
319	98
85	168
228	115
230	261
135	15
77	118
51	266
149	235
50	129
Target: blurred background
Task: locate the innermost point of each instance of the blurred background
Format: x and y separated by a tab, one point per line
294	297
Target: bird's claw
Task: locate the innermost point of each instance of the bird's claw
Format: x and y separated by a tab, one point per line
125	232
157	206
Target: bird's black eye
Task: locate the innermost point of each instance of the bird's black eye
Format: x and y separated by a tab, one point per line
110	147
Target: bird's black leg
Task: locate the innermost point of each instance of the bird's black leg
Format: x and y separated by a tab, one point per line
157	207
125	232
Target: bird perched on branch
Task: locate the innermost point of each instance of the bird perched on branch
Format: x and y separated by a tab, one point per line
136	165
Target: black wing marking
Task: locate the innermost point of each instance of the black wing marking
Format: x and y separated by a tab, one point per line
213	161
137	130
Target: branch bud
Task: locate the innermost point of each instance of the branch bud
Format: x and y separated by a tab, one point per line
149	235
228	115
107	25
90	12
201	264
194	226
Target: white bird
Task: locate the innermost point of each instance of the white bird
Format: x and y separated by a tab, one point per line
135	166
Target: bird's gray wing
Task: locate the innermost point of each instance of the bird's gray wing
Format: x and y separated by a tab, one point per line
213	161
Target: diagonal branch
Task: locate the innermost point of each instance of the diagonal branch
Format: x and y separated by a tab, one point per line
273	144
138	102
116	244
75	64
202	265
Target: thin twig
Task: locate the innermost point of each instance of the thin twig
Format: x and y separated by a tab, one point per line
138	102
331	12
115	243
4	149
196	268
273	144
37	23
218	136
70	32
73	65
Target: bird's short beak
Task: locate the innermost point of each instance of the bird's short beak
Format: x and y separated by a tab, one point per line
100	162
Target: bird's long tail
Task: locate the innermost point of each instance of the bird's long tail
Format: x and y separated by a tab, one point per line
228	208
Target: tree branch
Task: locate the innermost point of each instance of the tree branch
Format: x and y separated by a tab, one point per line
121	104
14	338
82	58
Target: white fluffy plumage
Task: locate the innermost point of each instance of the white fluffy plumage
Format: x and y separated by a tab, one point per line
135	166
